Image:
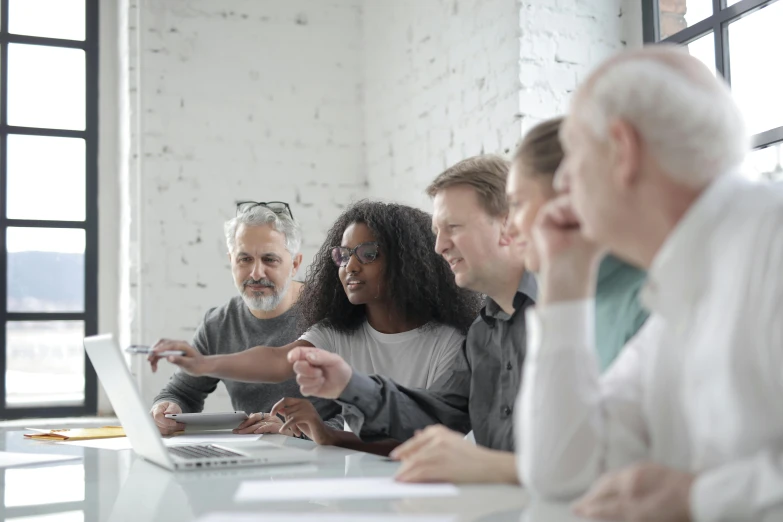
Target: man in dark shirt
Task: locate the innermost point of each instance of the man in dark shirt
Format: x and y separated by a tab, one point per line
469	219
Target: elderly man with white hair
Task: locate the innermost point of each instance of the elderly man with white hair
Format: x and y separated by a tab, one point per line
264	242
688	423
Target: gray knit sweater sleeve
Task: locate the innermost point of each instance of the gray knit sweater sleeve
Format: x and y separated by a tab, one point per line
231	328
188	391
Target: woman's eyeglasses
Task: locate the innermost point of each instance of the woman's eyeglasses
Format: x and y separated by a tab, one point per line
278	207
365	252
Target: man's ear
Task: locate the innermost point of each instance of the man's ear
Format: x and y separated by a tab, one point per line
626	152
297	262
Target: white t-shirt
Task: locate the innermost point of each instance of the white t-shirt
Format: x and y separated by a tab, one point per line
415	359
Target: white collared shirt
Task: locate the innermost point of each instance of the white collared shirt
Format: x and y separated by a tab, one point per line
700	388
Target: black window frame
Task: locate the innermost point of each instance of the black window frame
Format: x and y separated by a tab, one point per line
718	25
90	224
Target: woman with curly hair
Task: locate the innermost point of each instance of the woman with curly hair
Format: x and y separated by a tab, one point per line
377	294
378	272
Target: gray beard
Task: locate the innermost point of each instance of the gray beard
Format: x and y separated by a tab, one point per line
264	303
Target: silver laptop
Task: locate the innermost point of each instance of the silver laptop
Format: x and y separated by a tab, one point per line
144	436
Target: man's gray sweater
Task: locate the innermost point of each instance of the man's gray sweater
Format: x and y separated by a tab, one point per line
231	328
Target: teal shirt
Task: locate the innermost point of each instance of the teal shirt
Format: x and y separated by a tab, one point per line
618	312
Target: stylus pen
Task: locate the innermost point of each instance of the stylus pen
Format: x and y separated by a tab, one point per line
146	350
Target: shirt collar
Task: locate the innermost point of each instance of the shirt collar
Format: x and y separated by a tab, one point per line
527	290
677	276
609	265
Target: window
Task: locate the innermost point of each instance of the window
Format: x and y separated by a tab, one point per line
741	41
48	206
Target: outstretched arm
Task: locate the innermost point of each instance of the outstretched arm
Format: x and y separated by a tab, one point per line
257	364
376	407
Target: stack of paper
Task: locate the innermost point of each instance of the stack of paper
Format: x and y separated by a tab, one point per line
105	432
124	443
229	516
324	489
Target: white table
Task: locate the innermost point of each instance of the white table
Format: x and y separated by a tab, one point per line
117	485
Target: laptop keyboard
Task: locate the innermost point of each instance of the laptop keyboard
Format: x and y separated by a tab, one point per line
203	451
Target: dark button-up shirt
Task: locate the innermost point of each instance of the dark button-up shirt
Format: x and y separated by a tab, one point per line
478	393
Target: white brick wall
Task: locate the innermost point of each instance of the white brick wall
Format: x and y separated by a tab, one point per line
232	100
560	42
447	79
442	84
318	102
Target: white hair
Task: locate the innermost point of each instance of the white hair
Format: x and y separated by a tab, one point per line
689	122
260	215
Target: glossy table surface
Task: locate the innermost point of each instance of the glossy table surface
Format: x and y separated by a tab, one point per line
118	485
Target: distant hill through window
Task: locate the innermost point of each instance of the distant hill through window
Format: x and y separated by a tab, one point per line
45	282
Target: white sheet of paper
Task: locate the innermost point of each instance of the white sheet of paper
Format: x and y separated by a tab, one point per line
8	459
321	489
123	443
322	517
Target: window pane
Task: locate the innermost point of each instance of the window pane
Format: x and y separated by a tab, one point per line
676	15
46	87
765	164
49	18
703	48
46	178
46	485
44	363
755	43
45	269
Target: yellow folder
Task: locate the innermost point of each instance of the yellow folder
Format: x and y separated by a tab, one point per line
105	432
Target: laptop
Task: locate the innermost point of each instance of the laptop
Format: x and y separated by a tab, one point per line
109	364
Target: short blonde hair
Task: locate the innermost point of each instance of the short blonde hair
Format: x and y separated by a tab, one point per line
486	173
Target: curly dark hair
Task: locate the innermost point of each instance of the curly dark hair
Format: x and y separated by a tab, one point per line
419	280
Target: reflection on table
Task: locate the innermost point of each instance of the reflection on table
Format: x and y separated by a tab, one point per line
116	485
